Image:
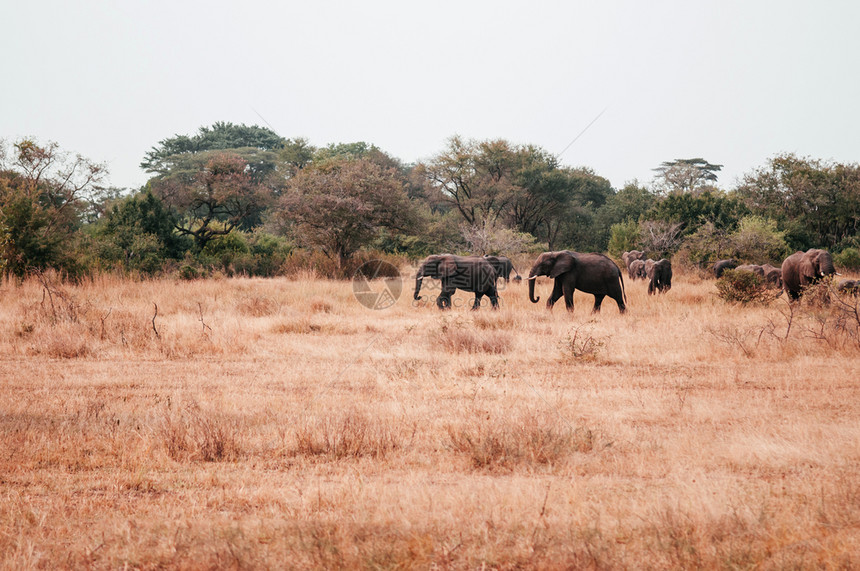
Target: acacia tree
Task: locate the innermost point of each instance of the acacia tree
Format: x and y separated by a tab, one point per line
42	192
213	193
683	176
165	157
341	204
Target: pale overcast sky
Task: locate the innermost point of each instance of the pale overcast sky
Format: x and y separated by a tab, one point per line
735	82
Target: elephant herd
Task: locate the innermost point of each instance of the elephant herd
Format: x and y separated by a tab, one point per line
798	271
598	275
658	273
595	274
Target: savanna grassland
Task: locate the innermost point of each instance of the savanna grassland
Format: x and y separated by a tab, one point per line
273	423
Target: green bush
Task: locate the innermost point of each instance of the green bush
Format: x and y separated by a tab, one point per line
849	258
623	237
739	286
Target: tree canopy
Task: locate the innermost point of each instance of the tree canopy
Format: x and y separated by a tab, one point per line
238	198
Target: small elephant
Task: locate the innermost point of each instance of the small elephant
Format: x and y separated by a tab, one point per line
468	273
723	265
628	257
802	269
503	267
590	273
849	287
772	275
660	276
636	270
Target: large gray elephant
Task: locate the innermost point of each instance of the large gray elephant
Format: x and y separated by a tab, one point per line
660	276
722	265
503	266
802	269
636	270
590	273
468	273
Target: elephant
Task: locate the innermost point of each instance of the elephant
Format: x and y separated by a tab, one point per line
649	264
503	267
751	268
628	257
468	273
772	275
636	270
802	269
659	276
722	265
849	287
590	273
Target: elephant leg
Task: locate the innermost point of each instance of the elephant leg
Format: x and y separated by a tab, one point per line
493	294
598	300
477	304
619	299
555	296
568	297
444	299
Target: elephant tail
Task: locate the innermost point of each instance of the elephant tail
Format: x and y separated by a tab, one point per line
623	291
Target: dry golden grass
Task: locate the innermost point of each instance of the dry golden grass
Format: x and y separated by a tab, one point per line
280	424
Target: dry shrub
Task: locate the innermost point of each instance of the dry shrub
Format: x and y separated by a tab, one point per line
302	326
507	443
65	341
818	294
257	306
319	305
495	320
582	344
190	433
349	435
741	286
456	337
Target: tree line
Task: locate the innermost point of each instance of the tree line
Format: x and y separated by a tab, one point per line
242	199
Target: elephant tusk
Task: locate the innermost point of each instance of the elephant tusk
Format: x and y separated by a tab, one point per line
533	277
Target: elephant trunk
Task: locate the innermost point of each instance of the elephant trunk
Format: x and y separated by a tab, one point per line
532	280
418	279
827	268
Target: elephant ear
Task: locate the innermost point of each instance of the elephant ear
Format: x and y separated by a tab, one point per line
808	265
564	262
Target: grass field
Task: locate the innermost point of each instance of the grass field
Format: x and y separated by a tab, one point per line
249	423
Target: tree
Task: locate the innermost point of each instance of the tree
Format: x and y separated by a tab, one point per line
138	232
816	203
692	211
340	205
521	186
629	203
473	177
683	176
221	136
42	193
491	237
212	193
